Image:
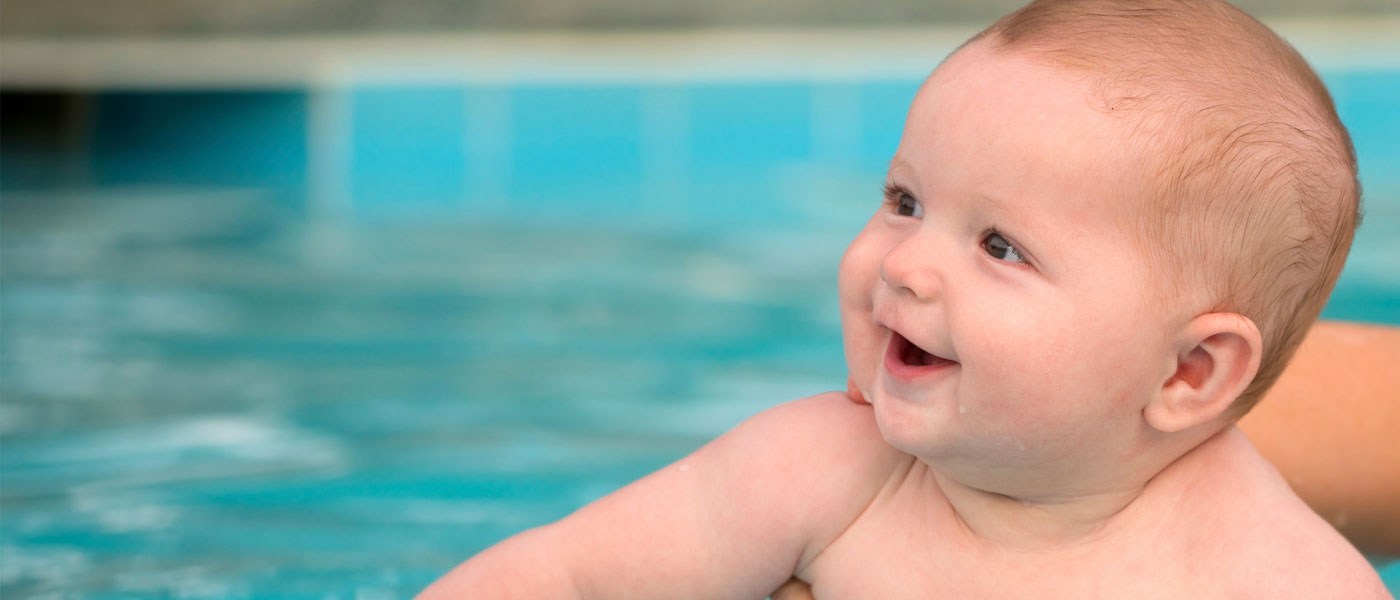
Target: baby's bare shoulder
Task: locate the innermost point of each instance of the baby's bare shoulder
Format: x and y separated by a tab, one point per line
819	438
1264	542
825	459
823	447
1285	553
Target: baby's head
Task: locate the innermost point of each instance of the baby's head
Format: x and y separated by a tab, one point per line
1107	222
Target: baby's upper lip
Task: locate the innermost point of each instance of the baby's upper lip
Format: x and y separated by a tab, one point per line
890	321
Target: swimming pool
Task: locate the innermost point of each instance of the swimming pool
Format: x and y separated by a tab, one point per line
244	361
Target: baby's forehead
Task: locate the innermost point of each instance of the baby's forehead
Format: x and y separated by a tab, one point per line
980	87
1042	119
1140	127
1005	141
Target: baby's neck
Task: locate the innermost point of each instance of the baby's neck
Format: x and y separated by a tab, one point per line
1013	523
1041	522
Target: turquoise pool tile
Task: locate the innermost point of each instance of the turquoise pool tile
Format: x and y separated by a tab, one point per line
574	149
407	148
750	126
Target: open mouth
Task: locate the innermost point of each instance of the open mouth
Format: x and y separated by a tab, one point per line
905	359
912	355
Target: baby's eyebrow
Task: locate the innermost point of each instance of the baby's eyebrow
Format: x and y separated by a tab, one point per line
995	200
898	161
1011	213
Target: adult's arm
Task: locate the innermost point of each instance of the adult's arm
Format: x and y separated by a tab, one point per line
1331	424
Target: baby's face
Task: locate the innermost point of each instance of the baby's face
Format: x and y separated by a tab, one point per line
994	311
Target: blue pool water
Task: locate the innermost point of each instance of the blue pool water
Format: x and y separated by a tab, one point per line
235	367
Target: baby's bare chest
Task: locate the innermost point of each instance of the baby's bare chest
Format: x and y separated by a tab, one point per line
895	552
878	572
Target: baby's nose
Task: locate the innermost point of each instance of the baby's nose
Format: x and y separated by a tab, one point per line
909	267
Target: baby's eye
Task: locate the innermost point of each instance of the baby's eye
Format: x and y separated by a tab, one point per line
908	207
904	204
1001	249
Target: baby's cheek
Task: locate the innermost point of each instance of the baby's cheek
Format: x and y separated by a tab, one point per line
1029	377
1117	357
860	361
859	268
858	276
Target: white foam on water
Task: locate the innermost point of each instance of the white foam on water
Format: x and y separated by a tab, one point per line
53	565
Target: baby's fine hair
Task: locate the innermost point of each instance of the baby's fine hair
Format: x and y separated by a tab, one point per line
1252	196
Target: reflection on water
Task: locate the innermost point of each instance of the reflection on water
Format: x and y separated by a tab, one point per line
208	396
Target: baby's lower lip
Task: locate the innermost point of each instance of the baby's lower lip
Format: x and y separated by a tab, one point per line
896	366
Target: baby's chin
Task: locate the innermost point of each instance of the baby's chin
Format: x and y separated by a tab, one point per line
939	433
910	427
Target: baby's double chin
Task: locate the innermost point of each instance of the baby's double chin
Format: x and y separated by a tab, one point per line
1031	522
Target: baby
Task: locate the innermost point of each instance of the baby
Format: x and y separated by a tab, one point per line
1105	230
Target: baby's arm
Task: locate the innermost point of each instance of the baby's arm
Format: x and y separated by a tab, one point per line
720	523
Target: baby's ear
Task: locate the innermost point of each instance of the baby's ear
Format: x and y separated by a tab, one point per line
1216	360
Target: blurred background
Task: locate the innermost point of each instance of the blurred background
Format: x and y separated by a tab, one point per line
317	299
